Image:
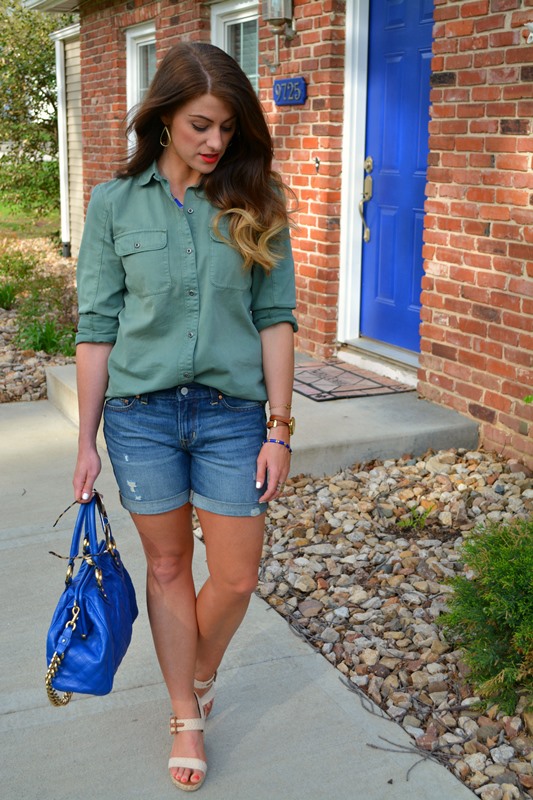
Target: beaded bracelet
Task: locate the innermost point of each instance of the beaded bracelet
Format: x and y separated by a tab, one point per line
278	441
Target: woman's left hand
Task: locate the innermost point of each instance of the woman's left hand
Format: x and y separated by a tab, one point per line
273	464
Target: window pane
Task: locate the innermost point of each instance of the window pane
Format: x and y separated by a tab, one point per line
234	41
242	45
146	54
249	48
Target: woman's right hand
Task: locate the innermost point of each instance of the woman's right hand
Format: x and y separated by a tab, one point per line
88	468
91	374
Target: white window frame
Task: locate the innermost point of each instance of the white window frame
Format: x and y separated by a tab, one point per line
230	12
136	36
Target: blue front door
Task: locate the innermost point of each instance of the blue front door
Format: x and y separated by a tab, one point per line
397	141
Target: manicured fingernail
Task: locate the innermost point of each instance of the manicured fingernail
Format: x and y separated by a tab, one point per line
258	484
85	496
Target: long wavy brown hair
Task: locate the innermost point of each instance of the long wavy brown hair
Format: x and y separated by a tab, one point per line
243	186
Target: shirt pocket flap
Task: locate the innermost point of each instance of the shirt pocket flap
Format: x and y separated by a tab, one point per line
139	242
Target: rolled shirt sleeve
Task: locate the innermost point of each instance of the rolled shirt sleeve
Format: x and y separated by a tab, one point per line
274	293
100	275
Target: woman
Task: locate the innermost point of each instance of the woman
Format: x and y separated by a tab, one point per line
186	292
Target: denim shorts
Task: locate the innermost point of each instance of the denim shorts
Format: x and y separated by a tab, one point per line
187	444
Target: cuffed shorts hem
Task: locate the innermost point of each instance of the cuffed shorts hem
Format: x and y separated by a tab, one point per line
154	506
227	509
197	500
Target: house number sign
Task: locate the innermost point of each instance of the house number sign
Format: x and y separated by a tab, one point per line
290	91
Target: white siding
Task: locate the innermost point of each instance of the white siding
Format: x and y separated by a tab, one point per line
75	162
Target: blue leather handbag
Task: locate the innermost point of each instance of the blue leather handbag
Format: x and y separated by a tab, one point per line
92	625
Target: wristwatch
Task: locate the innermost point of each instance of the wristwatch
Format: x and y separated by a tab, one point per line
275	421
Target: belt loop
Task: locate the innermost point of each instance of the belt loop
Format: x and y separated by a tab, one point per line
215	396
143	398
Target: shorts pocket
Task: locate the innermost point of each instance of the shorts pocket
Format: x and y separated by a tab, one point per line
120	403
240	404
144	255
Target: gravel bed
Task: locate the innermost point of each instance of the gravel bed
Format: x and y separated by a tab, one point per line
366	592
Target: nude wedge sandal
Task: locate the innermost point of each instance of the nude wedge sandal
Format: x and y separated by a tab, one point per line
176	726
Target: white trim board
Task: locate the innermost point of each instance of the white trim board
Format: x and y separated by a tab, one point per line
353	156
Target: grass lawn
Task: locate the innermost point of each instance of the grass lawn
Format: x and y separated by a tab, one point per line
17	224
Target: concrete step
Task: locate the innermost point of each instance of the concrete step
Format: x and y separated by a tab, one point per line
62	393
336	434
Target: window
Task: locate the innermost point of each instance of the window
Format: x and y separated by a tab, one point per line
234	28
140	61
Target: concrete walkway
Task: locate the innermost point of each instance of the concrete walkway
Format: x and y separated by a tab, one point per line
283	726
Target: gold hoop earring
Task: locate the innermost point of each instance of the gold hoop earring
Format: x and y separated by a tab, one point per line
165	133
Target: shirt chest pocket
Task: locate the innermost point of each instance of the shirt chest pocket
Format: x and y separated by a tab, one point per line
144	256
225	263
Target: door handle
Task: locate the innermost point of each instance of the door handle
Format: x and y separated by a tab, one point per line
367	195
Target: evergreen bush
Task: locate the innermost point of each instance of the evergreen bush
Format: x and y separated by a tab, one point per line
490	615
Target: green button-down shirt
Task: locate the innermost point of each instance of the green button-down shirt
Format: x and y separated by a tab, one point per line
174	300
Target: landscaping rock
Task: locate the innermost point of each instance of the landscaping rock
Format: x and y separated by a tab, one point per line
362	575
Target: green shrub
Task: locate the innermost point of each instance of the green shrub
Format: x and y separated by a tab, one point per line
17	265
45	294
47	335
45	304
491	613
16	269
46	316
8	295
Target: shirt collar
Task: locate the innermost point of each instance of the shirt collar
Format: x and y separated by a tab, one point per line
144	178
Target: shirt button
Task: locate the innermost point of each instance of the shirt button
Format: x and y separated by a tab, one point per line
189	249
186	374
184	389
190	211
190	334
191	293
137	245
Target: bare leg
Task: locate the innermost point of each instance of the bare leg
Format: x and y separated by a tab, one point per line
233	548
168	544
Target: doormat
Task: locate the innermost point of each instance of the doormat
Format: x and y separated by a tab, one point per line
330	381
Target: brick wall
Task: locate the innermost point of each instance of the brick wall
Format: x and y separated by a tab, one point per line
477	315
303	134
300	133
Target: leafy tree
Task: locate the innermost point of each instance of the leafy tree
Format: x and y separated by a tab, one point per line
28	106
